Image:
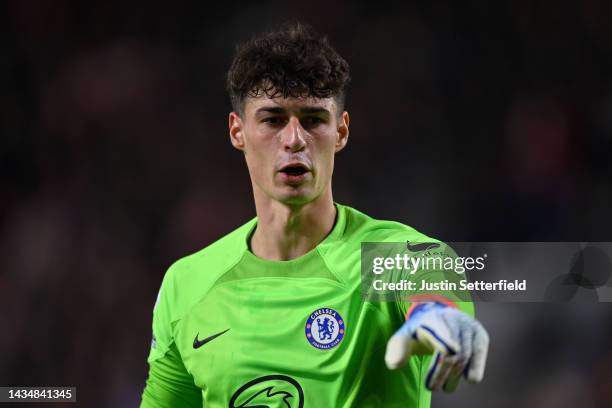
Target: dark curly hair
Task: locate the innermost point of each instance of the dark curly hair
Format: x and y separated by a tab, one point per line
294	61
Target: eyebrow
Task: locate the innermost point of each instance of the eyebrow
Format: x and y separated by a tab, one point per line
304	110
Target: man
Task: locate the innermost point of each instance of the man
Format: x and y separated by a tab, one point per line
272	315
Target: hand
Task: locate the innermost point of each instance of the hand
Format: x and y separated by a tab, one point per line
459	342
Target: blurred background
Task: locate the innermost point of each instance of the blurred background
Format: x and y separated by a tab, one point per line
479	122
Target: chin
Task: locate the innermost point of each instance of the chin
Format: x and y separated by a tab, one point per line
296	197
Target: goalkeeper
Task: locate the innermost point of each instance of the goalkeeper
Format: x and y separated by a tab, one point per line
271	314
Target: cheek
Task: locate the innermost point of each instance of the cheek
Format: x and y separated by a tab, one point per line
259	154
260	143
255	161
326	152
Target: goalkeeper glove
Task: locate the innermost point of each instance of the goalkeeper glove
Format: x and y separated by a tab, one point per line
459	342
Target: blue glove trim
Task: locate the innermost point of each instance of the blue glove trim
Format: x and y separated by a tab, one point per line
432	370
449	350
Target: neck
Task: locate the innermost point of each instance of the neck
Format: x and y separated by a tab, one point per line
286	232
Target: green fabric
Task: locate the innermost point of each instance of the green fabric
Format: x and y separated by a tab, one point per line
265	305
169	384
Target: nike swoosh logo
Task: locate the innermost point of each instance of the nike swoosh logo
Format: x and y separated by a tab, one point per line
422	246
199	343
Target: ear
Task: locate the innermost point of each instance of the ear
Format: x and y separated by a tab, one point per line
343	131
236	131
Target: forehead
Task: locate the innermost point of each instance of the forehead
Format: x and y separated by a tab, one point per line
291	104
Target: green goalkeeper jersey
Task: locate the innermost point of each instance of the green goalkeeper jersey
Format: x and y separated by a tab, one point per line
234	330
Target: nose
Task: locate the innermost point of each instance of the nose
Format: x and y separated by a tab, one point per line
293	136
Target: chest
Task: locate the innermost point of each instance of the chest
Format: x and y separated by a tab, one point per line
300	334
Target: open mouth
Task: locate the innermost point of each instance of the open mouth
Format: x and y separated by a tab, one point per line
294	169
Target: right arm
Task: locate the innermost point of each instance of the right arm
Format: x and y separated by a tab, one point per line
169	383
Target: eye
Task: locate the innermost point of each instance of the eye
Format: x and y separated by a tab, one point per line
274	121
311	121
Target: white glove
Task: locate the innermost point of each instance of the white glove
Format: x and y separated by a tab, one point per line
459	342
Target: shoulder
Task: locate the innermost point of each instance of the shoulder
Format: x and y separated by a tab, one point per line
218	256
190	278
343	253
363	228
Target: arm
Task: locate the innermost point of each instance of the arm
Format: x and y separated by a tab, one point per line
169	384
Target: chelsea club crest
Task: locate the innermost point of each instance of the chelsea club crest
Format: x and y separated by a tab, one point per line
324	328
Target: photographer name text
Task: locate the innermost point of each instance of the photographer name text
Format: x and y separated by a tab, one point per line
446	285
